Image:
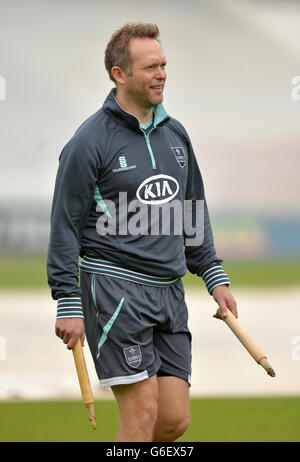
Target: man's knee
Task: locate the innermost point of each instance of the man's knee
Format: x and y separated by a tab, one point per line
172	429
182	426
145	413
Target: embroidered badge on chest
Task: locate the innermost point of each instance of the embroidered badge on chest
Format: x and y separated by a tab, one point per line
133	355
123	167
179	156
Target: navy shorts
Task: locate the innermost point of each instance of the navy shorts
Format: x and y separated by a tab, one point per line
135	331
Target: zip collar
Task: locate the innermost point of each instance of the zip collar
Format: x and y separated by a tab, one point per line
112	107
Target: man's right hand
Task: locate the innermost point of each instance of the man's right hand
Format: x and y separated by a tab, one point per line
70	330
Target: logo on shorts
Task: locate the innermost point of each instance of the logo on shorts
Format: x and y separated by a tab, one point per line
133	355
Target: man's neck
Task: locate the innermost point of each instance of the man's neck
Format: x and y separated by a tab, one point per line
143	114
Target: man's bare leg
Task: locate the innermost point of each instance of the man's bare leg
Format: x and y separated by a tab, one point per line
138	407
173	409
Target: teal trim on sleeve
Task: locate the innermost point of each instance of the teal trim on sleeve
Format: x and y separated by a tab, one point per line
69	307
71	312
100	202
215	276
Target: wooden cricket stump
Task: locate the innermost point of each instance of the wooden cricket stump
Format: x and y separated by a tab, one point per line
84	382
247	341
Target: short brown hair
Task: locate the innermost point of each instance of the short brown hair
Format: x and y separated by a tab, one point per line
117	50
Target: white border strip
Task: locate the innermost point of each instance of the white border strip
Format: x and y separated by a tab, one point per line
124	379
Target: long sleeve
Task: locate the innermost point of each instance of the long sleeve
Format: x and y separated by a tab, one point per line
202	259
73	196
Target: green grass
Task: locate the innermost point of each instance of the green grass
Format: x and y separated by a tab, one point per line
244	419
30	272
258	273
217	419
23	271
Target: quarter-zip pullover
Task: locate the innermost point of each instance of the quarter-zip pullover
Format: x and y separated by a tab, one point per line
112	153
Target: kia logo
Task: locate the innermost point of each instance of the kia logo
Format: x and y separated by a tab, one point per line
157	189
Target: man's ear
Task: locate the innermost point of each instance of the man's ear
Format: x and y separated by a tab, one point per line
119	74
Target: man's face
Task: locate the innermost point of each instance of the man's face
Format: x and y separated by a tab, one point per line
148	75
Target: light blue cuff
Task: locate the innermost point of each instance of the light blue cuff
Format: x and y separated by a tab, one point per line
69	307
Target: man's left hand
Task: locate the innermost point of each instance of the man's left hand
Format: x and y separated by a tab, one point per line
224	299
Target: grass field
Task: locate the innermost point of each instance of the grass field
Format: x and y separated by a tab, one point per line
30	271
213	420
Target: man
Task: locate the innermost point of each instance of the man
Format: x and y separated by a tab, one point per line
131	302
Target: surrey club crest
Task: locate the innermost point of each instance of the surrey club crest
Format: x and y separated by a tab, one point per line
133	355
179	156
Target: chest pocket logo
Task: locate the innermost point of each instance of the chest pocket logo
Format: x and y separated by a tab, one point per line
123	161
157	189
179	156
